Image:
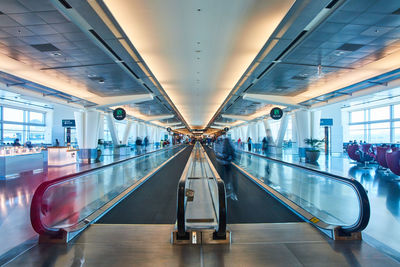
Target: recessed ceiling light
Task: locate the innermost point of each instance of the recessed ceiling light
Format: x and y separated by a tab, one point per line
92	75
101	81
56	54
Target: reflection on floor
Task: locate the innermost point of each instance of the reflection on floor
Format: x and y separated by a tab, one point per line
383	191
16	195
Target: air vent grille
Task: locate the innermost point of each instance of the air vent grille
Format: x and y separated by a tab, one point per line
65	4
148	88
332	4
301	78
350	47
45	47
105	44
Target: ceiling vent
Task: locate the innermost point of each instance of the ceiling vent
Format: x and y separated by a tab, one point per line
45	47
297	77
332	4
1	13
65	4
396	12
350	47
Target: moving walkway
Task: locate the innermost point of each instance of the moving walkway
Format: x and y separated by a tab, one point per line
202	218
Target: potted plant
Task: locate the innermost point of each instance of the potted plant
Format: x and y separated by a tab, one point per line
313	152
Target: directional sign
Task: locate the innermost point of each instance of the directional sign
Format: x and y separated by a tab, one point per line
226	129
68	123
326	122
276	113
119	114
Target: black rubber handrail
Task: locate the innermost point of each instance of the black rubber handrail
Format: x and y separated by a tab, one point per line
37	199
365	209
220	232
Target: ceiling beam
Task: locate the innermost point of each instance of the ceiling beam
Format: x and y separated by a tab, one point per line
288	101
112	101
237	117
159	117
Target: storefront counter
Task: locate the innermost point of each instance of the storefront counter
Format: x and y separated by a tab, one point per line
60	156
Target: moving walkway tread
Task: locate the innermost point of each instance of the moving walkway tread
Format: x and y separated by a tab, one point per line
155	201
254	205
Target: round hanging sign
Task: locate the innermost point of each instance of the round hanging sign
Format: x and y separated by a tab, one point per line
276	113
226	129
169	129
119	114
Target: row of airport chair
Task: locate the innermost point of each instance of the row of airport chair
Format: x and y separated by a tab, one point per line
386	157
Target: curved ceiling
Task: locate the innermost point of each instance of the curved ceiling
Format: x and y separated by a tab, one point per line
198	49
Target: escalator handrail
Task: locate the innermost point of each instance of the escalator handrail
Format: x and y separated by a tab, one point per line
222	208
181	202
220	232
365	210
37	199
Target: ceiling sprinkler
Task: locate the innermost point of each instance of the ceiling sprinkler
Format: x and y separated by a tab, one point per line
319	70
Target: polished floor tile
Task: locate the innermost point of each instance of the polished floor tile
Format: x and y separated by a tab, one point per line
253	245
16	194
383	189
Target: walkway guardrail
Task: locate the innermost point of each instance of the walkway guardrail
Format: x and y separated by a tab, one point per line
199	173
348	198
64	207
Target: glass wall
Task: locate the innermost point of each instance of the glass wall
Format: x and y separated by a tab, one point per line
375	125
22	124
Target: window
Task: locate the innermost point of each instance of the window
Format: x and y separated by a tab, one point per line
12	132
36	134
11	114
35	117
357	116
396	111
375	125
396	134
356	132
378	114
23	124
380	132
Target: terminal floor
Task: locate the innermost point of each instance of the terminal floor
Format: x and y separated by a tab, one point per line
155	201
16	195
287	244
383	193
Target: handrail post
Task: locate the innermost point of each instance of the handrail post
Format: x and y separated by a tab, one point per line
181	234
220	233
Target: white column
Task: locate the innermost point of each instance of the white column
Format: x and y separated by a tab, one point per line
127	132
282	130
101	126
315	121
303	129
87	128
112	129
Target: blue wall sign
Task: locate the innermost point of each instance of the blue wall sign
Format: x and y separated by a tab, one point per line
68	123
326	122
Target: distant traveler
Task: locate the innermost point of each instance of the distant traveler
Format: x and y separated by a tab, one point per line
225	155
145	142
264	146
16	142
249	143
138	145
57	142
239	143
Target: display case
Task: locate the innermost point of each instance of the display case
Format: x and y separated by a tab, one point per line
15	160
60	156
